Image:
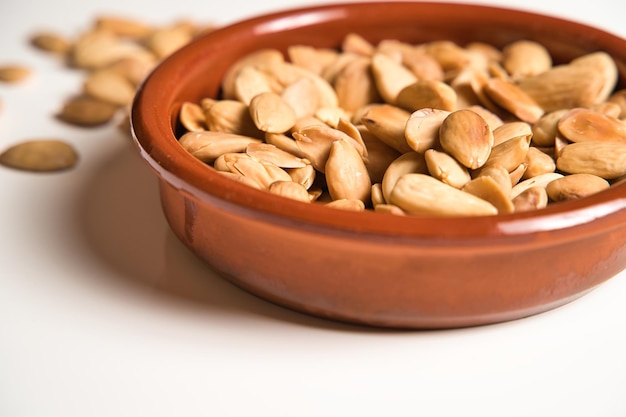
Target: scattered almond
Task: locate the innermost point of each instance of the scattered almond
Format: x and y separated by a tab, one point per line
87	111
40	155
14	73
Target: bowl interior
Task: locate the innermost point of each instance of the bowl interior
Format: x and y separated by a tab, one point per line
195	72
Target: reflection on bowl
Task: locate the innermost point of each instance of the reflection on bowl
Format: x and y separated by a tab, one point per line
366	267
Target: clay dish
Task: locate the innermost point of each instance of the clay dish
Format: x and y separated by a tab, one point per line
373	268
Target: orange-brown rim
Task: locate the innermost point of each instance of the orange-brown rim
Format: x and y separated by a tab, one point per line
153	129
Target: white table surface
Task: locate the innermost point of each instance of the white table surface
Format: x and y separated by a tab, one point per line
104	313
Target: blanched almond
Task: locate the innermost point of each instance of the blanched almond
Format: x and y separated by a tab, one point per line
331	115
390	77
510	154
493	120
346	174
538	163
241	178
354	133
208	145
261	58
421	131
316	141
532	198
575	186
446	169
350	204
423	194
286	73
379	155
448	54
191	116
514	100
232	116
500	175
265	152
270	113
579	125
376	194
355	85
264	174
539	181
290	189
389	209
285	143
304	175
561	86
602	64
525	58
357	44
467	137
388	124
410	162
311	58
511	130
546	128
488	189
423	66
302	96
619	98
608	108
250	82
604	159
427	94
517	174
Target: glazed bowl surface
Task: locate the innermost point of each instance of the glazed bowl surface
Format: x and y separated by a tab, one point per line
372	268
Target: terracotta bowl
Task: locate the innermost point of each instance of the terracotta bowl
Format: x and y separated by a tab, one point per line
373	268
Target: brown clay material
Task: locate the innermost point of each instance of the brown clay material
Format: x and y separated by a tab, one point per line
374	268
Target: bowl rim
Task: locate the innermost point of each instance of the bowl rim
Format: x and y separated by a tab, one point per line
158	146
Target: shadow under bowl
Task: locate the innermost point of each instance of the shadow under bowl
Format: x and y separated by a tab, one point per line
372	268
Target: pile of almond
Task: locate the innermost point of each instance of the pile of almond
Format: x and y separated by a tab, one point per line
114	54
434	128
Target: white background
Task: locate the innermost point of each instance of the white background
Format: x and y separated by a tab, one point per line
104	313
